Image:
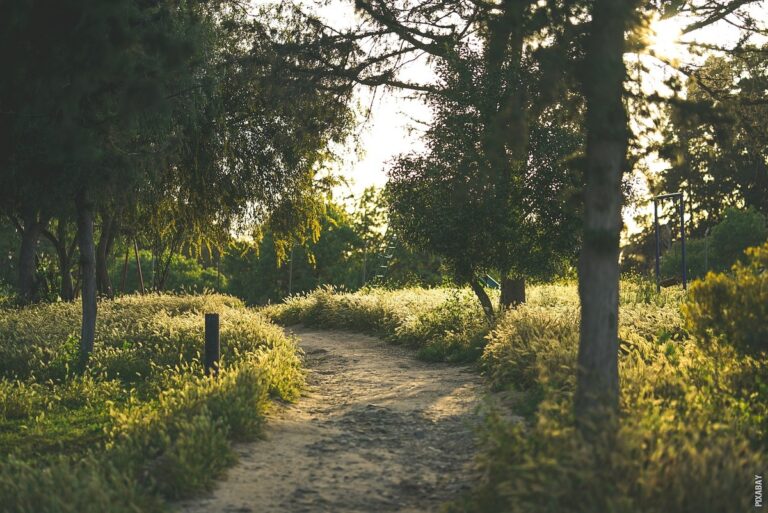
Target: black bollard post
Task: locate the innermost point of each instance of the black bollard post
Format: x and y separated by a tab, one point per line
212	344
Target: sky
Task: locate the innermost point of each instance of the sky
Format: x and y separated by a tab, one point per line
393	127
393	122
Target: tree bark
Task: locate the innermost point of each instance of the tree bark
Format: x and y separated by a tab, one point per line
88	271
512	292
597	393
103	248
482	295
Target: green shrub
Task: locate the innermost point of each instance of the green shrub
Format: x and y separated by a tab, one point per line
533	346
739	230
195	458
699	257
90	485
19	400
661	463
692	429
722	248
732	307
144	406
443	324
184	274
7	294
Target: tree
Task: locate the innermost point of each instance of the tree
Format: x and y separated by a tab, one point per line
602	77
65	245
259	276
493	42
486	208
603	73
249	147
187	102
90	87
370	220
716	140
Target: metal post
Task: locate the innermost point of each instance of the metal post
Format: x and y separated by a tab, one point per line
212	344
656	225
682	240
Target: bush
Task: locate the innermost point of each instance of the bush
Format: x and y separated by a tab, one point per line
443	324
144	419
732	307
660	464
185	274
739	230
91	485
533	346
725	245
7	294
692	428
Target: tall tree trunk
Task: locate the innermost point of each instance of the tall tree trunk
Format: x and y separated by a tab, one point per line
512	291
88	271
106	237
597	393
482	295
67	290
30	235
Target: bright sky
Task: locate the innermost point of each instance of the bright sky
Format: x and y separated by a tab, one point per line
393	127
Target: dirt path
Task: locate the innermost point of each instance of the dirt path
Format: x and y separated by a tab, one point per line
378	431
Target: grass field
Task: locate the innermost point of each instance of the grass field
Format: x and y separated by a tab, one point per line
692	430
143	424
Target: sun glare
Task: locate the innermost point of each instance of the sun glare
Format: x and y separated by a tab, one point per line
664	39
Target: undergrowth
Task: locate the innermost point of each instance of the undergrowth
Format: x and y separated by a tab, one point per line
692	430
442	324
143	424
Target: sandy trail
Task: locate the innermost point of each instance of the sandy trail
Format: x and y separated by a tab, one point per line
377	431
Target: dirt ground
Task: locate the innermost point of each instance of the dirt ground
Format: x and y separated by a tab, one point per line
377	431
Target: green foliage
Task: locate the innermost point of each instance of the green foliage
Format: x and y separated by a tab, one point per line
443	324
259	275
692	427
716	141
724	246
515	216
732	308
185	274
62	486
346	254
531	347
739	230
697	259
143	423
